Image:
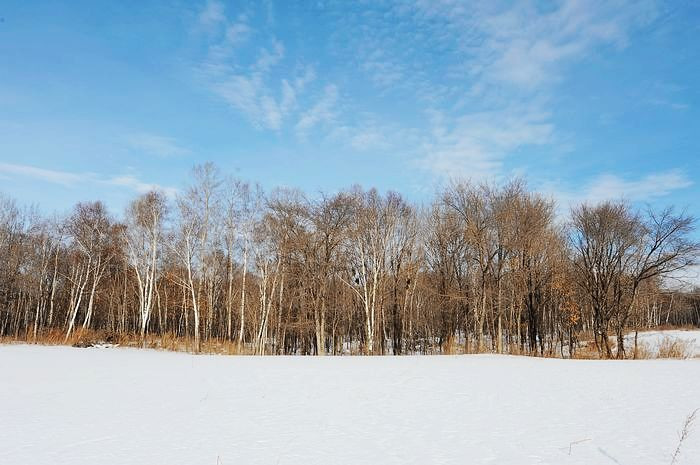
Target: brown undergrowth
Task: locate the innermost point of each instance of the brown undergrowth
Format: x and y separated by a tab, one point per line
669	347
92	338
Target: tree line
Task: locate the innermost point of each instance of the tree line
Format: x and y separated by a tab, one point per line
482	268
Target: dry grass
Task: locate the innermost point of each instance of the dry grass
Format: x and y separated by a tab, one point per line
56	337
586	350
674	348
671	348
449	347
683	435
167	341
642	352
172	342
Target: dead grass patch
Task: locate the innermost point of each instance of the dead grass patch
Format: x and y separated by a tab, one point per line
671	347
642	352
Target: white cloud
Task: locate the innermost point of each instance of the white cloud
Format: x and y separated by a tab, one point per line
307	76
610	186
662	102
153	144
526	48
368	138
372	135
490	67
237	33
323	111
133	183
212	15
476	144
74	179
525	43
264	85
251	90
249	95
383	70
267	58
63	178
245	87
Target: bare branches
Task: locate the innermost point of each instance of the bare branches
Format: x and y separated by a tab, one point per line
484	268
617	249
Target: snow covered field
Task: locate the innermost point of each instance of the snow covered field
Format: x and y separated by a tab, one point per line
62	405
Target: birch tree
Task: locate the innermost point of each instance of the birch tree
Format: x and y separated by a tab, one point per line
145	217
368	249
91	230
196	208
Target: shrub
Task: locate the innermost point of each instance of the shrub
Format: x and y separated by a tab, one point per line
674	348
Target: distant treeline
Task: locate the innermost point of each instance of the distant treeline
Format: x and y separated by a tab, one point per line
488	268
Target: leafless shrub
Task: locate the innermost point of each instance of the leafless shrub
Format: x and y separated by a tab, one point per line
674	348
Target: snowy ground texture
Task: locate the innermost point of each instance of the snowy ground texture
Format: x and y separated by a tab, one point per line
61	405
653	340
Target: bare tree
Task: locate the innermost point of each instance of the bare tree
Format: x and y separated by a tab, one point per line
143	236
196	208
93	234
663	249
471	203
486	267
616	250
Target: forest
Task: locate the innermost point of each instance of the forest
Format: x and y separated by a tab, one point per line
226	266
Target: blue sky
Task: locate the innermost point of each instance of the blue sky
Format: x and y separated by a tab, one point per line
587	100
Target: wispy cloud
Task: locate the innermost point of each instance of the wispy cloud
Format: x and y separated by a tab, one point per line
363	138
153	144
260	84
238	33
247	90
609	186
667	103
212	15
133	183
475	145
322	112
369	133
527	47
74	179
383	70
64	178
491	68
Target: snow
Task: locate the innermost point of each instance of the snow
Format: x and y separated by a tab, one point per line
652	340
62	405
